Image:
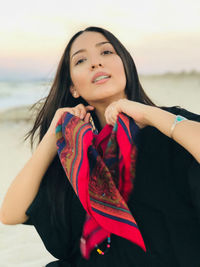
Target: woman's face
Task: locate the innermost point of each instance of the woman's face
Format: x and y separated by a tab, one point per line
96	56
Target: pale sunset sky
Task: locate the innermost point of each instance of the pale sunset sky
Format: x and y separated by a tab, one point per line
161	35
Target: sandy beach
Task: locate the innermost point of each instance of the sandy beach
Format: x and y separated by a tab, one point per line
20	245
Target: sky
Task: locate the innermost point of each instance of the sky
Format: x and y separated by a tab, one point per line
161	35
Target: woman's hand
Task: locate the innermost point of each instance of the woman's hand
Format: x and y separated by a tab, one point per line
80	111
186	133
133	109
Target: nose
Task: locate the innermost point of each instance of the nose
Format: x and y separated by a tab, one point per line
95	65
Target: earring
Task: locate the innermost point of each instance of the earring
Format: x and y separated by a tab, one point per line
75	94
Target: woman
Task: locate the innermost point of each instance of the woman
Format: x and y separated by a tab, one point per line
97	84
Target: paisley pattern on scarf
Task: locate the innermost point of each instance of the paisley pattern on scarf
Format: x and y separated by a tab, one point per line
101	169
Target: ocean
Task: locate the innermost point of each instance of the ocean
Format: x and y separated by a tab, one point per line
166	89
15	93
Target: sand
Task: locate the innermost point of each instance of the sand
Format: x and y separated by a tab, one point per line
20	245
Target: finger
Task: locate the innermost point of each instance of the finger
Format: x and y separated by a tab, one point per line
70	111
85	109
75	111
63	110
87	118
111	113
89	107
83	113
113	122
112	118
80	112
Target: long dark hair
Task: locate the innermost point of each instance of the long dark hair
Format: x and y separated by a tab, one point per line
60	96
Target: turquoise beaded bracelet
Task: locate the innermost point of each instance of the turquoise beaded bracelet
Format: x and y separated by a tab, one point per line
177	120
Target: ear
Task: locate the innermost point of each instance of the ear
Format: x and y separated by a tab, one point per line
73	91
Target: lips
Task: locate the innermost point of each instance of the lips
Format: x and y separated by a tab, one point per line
100	74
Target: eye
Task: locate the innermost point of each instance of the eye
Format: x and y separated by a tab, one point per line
79	61
107	52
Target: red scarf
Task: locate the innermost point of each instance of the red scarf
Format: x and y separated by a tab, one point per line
101	169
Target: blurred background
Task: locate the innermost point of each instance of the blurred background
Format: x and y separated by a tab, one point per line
163	36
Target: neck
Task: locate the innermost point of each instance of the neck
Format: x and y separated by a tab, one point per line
100	108
100	114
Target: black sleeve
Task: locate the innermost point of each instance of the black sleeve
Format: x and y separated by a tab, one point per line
55	237
32	209
188	114
194	184
183	112
193	167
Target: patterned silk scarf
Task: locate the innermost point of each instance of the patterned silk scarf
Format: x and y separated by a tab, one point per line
101	169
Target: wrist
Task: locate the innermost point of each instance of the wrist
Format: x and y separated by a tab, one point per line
177	120
149	115
160	119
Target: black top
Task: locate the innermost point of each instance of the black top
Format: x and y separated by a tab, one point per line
165	203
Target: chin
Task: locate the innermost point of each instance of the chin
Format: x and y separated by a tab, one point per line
107	96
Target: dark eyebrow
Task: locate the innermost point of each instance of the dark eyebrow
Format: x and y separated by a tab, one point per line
83	50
